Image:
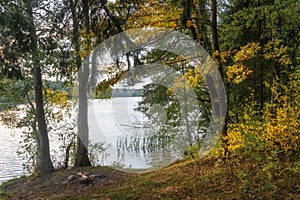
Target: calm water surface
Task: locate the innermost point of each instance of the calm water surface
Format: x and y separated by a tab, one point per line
109	121
10	161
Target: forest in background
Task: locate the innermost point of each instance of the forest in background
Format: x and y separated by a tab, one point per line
255	45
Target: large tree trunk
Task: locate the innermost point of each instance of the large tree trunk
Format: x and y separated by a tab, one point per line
81	158
45	163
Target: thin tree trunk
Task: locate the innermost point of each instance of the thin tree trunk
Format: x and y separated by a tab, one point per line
45	163
202	29
215	40
187	123
214	26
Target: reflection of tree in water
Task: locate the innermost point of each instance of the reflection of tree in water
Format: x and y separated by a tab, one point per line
165	136
177	107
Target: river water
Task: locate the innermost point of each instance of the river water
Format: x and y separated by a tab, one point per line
109	120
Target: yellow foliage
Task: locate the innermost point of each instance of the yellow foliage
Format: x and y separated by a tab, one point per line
241	67
235	139
282	125
271	132
247	52
189	23
189	79
277	51
238	72
152	13
58	98
193	76
87	43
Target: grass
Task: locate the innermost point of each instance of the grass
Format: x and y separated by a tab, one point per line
190	179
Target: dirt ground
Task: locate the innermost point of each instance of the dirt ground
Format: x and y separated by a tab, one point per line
63	182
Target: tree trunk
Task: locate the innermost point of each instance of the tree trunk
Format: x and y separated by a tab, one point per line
214	27
215	40
81	158
202	29
45	163
186	15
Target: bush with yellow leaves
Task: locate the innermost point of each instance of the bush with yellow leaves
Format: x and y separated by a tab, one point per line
270	136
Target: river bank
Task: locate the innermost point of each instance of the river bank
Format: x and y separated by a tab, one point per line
192	179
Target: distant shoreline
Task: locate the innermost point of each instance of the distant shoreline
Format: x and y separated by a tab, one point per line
123	92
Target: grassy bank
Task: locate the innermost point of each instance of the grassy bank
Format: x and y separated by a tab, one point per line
193	179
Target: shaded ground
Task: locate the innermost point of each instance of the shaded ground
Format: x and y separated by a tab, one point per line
56	185
183	180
